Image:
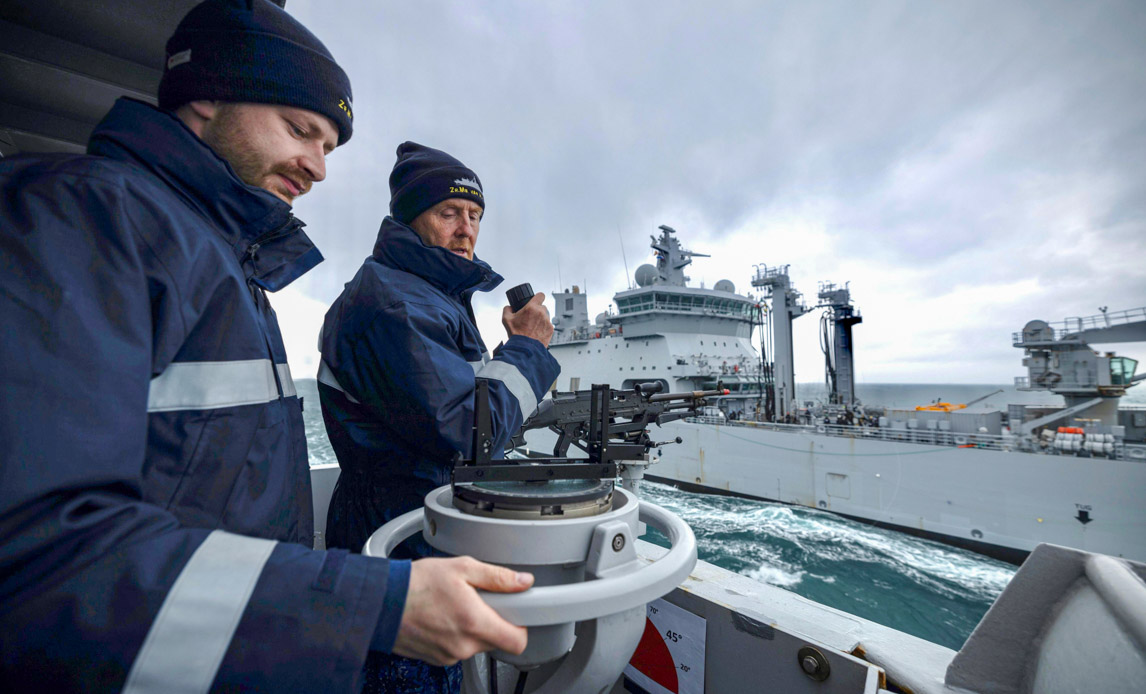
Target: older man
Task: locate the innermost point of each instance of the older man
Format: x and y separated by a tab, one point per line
154	491
401	353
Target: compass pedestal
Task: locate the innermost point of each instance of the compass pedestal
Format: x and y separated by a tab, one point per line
585	613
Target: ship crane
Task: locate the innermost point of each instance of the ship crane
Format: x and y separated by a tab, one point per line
836	342
787	305
1059	359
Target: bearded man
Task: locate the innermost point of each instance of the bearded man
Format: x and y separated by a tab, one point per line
155	504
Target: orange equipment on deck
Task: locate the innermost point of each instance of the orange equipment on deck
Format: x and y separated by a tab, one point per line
939	407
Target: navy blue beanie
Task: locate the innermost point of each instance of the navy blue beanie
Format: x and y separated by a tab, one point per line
253	51
423	177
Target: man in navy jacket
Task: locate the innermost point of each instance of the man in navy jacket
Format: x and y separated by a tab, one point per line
155	509
400	356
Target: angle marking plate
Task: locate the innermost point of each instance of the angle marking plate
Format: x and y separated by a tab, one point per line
670	656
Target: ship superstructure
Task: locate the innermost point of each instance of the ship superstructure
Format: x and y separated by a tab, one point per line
995	481
1059	359
687	338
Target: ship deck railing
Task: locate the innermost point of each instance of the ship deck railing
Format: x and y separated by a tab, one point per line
1072	326
927	437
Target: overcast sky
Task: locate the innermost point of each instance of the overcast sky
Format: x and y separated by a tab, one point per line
967	166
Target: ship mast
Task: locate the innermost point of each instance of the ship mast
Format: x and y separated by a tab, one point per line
836	341
787	305
672	259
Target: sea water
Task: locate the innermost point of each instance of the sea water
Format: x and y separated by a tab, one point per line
927	589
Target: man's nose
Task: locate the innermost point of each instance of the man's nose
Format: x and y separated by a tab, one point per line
313	162
467	227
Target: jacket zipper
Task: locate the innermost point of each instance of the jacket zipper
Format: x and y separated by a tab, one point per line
289	227
292	224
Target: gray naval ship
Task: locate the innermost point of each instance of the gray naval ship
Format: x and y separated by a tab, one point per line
1069	621
997	482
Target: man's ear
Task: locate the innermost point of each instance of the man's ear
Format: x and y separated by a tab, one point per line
205	110
196	114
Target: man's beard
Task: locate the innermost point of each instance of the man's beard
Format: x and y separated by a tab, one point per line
229	139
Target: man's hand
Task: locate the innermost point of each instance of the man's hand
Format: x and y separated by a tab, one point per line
531	321
445	621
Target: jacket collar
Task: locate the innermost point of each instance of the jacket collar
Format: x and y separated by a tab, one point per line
399	247
267	240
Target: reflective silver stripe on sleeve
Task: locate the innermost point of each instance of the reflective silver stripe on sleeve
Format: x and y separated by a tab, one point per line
191	633
476	365
207	385
326	377
509	375
286	381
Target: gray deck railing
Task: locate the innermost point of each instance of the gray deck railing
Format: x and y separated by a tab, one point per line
929	437
922	436
1075	325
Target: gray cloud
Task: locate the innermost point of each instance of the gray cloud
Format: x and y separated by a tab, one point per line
930	152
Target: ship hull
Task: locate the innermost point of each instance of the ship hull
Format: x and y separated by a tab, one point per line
999	503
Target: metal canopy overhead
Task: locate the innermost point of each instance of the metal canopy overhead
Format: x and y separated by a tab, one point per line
63	63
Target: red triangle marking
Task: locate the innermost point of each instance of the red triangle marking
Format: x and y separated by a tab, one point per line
653	658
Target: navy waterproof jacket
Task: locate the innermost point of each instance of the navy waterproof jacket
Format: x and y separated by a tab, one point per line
400	355
155	507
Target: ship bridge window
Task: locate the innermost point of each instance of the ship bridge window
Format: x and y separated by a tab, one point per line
1122	370
663	301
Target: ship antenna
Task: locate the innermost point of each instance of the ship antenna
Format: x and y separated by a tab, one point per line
628	280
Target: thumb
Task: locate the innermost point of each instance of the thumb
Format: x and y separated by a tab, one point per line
538	298
498	579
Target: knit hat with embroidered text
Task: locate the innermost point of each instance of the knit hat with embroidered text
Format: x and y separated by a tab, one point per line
253	51
423	177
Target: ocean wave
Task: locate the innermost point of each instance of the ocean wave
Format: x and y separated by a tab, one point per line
925	588
775	576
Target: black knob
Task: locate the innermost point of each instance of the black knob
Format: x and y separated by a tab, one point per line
650	388
519	296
